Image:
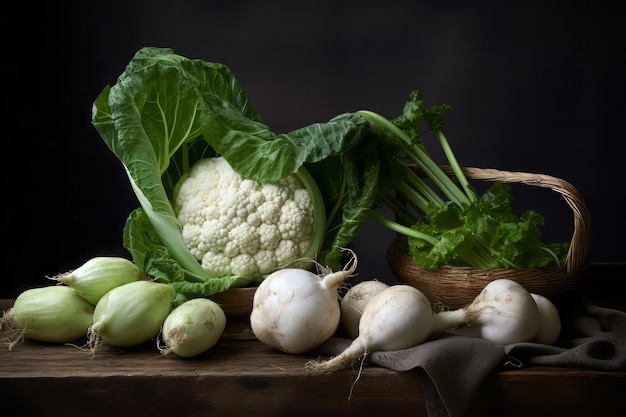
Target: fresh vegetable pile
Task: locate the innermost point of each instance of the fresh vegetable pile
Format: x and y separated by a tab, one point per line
294	310
108	299
167	115
225	202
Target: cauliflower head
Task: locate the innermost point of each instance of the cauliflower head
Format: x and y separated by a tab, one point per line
237	226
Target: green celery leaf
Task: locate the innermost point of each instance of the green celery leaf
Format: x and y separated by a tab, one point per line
445	252
444	217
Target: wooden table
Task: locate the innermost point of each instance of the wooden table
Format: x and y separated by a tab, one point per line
245	377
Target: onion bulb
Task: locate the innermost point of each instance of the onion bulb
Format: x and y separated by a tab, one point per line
131	314
98	275
49	314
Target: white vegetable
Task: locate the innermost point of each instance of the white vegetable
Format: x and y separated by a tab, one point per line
353	303
295	310
549	321
399	317
98	275
131	314
193	327
49	314
504	312
237	226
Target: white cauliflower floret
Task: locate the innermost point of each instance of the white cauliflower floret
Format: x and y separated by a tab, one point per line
217	263
301	197
278	193
243	264
295	221
236	226
254	219
191	235
269	212
265	261
246	238
213	235
286	252
269	236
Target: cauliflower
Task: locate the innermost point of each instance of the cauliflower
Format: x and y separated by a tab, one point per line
236	226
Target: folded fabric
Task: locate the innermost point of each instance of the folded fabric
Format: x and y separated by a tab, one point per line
594	340
454	367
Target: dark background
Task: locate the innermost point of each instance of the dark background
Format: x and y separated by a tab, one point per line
536	86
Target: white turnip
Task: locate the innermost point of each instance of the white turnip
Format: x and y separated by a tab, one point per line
193	327
353	303
295	310
549	321
399	317
504	312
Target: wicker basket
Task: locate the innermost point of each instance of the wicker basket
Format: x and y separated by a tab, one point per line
451	287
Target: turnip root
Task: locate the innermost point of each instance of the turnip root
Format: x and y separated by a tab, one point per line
295	310
504	312
399	317
549	321
353	303
193	327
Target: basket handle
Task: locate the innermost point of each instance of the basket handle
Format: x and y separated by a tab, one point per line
577	254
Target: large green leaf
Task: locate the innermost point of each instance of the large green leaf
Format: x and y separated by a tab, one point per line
154	108
166	112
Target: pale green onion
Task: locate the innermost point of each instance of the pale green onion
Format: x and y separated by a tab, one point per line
99	275
49	314
130	314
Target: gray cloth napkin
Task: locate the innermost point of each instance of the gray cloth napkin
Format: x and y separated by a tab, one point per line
595	340
455	366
